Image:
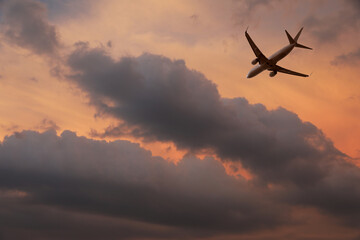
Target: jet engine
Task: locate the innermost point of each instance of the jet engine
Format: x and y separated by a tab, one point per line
273	73
255	61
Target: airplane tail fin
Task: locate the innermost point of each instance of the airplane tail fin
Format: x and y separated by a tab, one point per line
294	40
291	40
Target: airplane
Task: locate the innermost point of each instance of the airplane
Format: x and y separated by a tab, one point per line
270	63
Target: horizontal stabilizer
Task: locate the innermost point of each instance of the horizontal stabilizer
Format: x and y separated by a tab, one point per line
294	40
302	46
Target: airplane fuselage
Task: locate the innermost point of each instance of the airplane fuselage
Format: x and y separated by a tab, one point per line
273	59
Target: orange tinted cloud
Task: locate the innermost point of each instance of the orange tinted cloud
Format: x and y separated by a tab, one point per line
209	37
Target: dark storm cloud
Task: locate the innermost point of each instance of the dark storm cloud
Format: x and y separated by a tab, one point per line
350	59
120	180
355	4
337	194
162	100
159	99
19	220
24	24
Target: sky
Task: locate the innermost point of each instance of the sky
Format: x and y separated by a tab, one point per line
135	120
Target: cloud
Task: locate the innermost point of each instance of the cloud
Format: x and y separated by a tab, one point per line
328	28
194	18
10	127
354	97
55	223
336	194
121	181
158	99
251	5
34	79
244	10
355	4
67	9
47	124
326	24
109	44
25	25
350	58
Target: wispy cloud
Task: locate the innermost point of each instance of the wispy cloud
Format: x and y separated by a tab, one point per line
329	27
351	58
25	25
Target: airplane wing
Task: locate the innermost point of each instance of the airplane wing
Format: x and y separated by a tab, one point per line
287	71
256	50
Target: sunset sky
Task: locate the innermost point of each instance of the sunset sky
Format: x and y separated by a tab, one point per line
135	120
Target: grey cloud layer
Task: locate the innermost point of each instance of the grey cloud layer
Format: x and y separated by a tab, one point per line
159	99
162	100
24	24
122	181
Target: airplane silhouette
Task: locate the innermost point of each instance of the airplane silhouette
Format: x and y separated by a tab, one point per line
270	63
